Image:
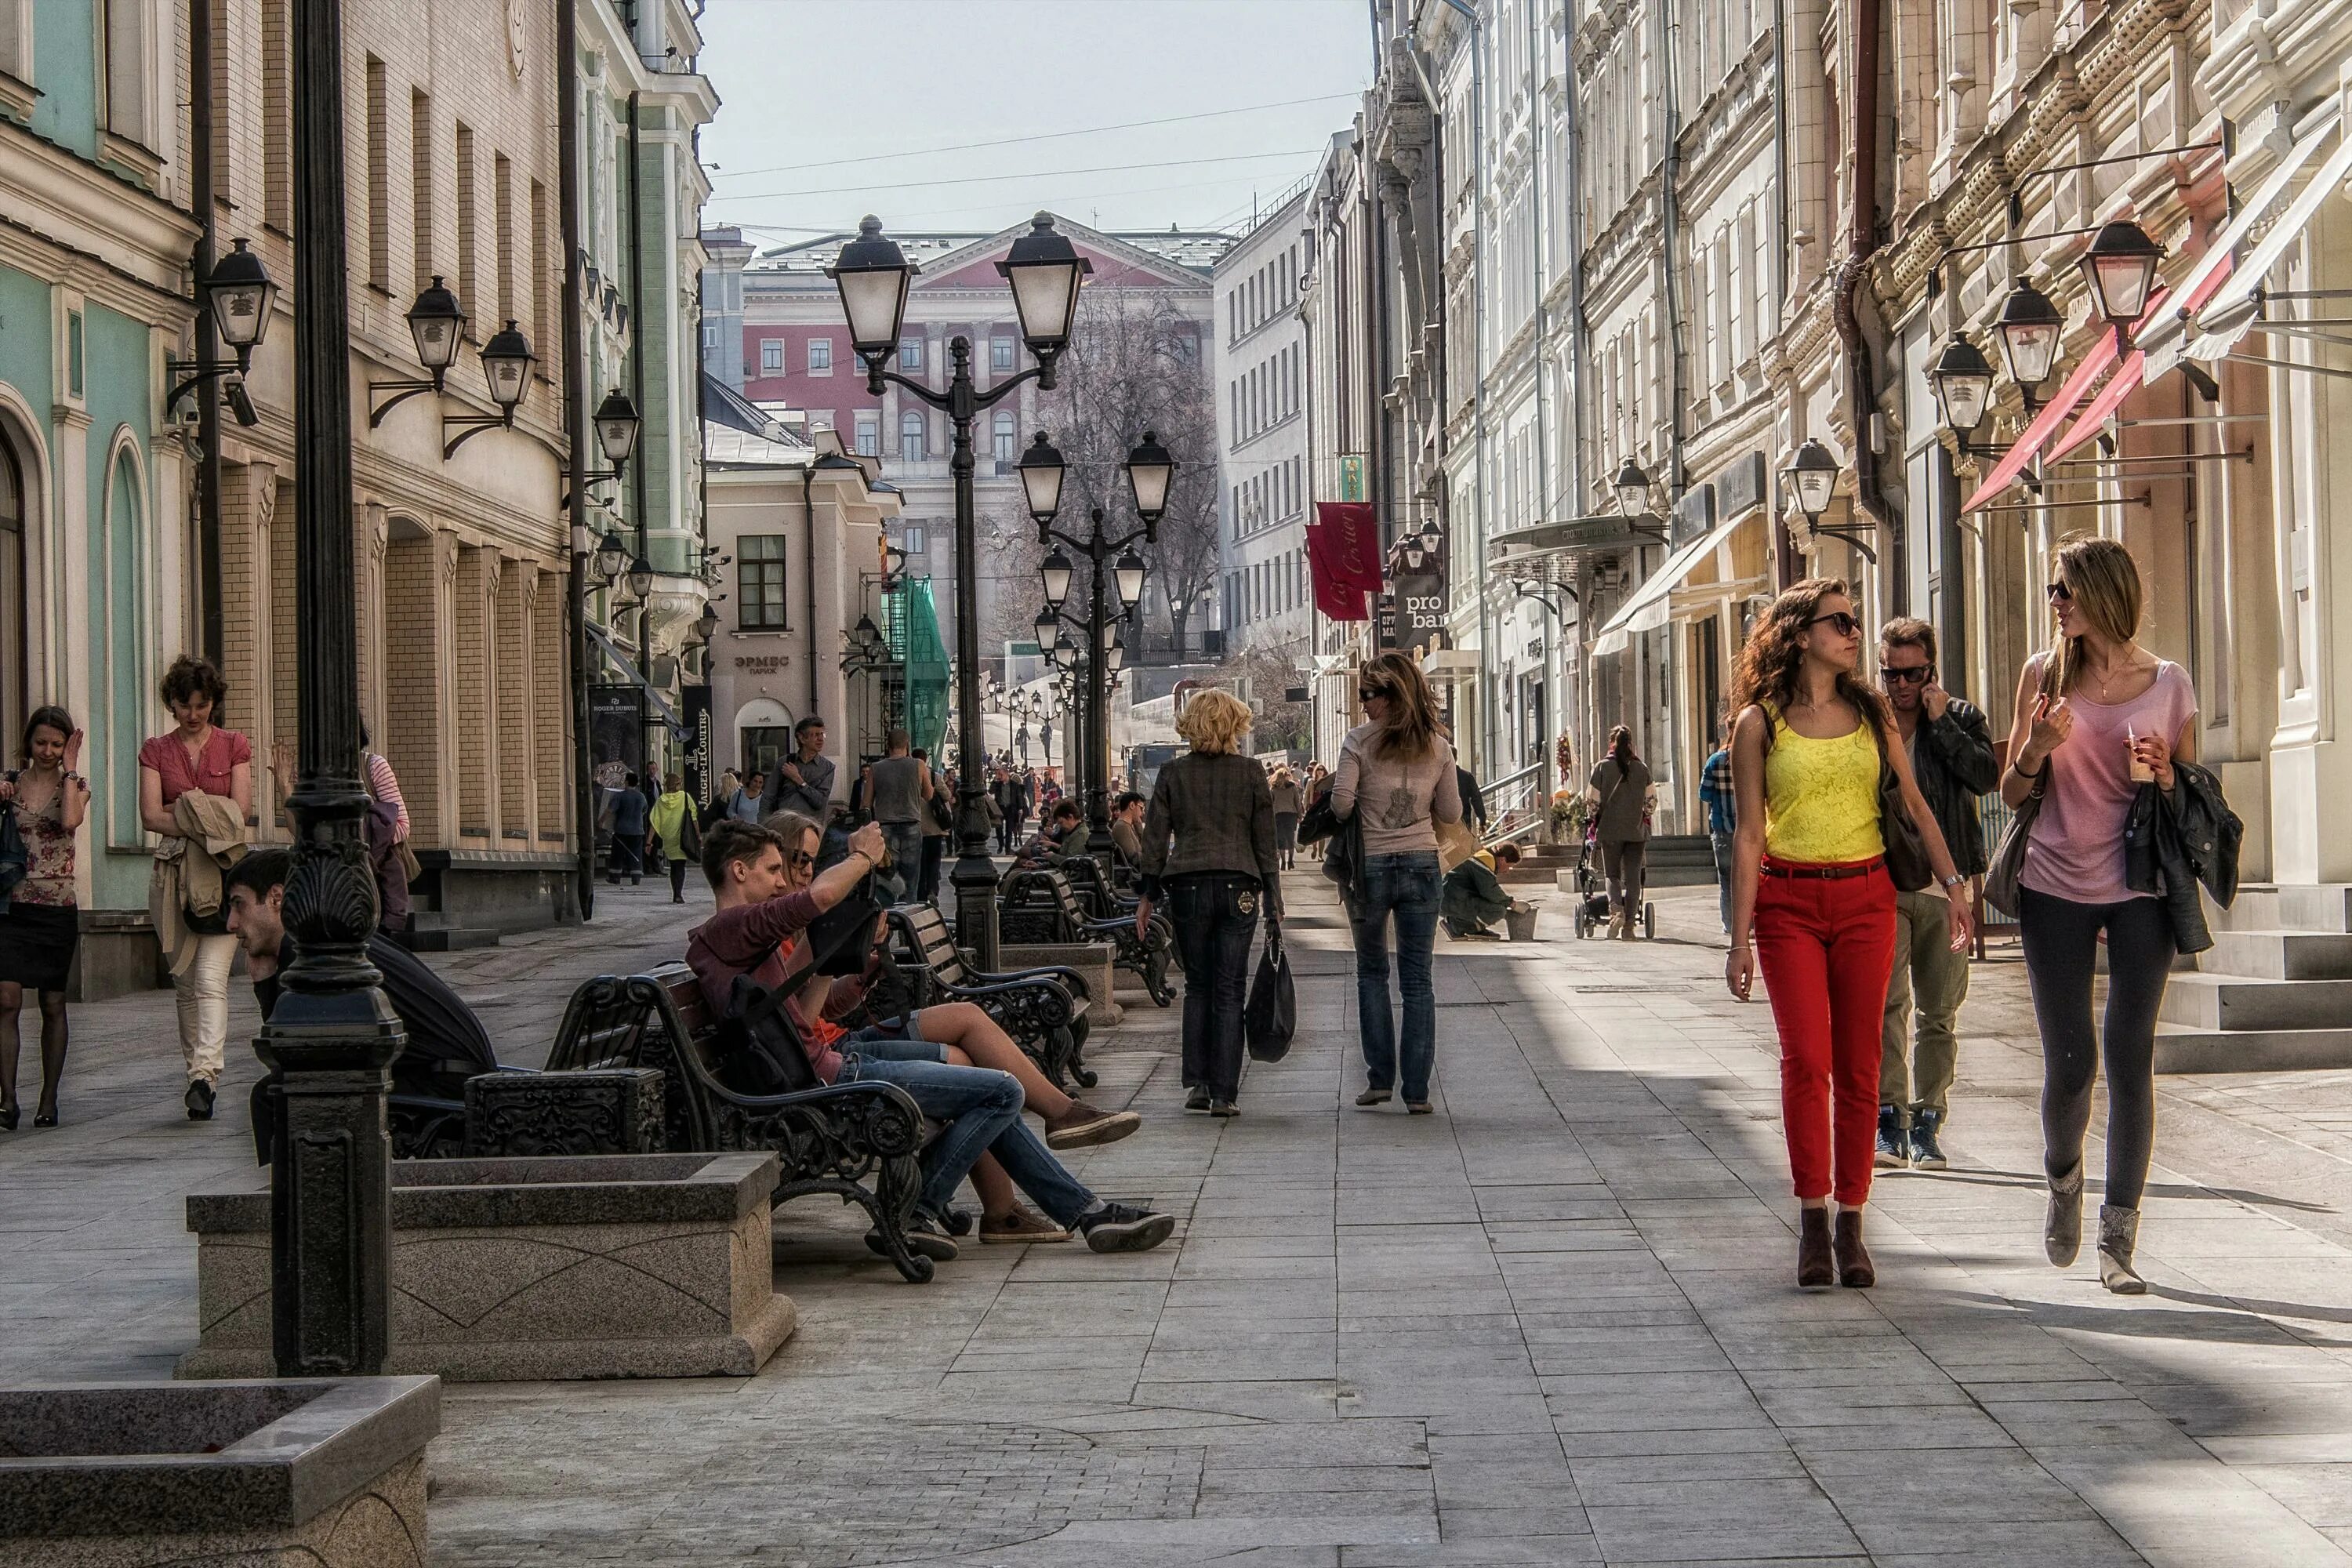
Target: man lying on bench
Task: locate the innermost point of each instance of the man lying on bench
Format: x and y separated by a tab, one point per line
768	892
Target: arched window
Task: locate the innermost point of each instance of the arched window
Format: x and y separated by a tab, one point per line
911	437
1005	452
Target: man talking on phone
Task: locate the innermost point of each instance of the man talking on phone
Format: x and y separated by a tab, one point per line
1951	755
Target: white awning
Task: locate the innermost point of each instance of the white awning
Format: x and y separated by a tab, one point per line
2231	308
1648	609
2163	337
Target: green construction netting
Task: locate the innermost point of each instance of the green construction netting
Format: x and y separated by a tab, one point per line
915	639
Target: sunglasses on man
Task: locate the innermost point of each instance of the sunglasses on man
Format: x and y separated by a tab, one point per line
1918	672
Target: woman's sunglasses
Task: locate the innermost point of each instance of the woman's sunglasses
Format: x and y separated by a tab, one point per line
1839	621
1367	693
2059	593
804	859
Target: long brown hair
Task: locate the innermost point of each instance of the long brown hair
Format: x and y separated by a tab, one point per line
1412	723
1766	676
2103	580
1620	750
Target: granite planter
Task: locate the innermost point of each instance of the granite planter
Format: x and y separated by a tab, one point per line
326	1472
1095	959
608	1266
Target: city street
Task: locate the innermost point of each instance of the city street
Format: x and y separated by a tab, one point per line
1553	1323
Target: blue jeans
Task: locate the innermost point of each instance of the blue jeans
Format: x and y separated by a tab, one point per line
1721	844
904	840
983	1110
1407	886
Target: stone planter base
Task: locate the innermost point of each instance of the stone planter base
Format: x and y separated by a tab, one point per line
1093	959
615	1265
328	1473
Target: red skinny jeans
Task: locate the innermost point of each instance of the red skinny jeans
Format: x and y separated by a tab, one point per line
1826	946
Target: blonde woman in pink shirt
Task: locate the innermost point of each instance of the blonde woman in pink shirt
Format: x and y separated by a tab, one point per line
2097	717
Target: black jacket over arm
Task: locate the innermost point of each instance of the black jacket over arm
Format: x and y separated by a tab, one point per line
1953	759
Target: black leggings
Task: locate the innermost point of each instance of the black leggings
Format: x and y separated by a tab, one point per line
677	877
2061	938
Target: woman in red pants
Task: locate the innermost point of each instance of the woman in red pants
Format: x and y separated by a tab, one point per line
1811	888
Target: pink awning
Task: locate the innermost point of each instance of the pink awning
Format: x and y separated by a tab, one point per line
2127	377
2053	414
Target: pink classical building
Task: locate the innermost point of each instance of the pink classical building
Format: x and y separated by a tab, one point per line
778	303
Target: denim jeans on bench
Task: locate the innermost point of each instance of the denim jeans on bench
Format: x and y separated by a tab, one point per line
983	1110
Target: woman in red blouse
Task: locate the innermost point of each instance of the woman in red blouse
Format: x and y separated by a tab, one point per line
197	755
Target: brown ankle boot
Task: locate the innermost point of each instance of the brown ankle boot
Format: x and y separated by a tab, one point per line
1853	1258
1814	1269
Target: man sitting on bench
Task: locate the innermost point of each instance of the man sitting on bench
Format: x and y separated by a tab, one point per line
447	1044
1052	839
768	891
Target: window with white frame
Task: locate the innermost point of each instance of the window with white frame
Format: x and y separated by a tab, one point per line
911	353
913	438
772	356
999	355
869	432
1004	437
820	356
760	582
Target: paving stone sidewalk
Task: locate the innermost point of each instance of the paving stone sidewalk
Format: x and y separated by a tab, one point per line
1553	1323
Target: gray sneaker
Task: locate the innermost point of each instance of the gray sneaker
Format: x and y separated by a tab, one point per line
1893	1141
1927	1154
1117	1228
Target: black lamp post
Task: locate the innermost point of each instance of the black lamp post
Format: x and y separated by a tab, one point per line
1044	270
1116	587
332	1034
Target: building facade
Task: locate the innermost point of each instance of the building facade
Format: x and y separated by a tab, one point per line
777	303
97	540
1262	479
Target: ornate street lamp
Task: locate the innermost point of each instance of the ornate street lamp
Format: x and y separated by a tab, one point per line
1962	378
507	360
1045	271
1041	480
1055	574
1127	575
1633	488
707	623
1813	475
641	579
1149	471
332	1037
437	324
2120	267
1066	652
612	557
238	292
618	426
2030	327
1049	621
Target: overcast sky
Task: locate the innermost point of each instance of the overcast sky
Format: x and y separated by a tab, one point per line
831	108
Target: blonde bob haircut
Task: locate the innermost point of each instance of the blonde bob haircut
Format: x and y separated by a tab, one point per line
1215	723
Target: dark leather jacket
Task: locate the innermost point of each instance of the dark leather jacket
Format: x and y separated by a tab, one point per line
1952	758
2172	847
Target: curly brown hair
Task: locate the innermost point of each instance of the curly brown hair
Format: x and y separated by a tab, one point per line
1766	676
191	678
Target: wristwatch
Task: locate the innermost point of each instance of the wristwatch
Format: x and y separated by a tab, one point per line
1953	881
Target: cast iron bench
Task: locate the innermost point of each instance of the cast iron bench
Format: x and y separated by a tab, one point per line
1039	906
1044	1009
564	1109
859	1141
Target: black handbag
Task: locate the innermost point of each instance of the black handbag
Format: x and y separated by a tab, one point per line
1906	851
1270	1017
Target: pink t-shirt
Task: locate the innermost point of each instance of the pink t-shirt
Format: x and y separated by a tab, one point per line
223	752
2076	851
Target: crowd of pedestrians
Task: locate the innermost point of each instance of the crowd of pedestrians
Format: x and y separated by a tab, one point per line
1845	820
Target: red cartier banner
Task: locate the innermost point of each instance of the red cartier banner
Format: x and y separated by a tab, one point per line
1337	600
1352	544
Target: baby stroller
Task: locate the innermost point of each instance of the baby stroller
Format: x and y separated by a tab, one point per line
1592	890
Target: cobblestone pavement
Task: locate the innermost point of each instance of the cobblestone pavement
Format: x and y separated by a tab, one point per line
1552	1323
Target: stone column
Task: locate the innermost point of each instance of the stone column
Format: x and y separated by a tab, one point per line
517	587
552	734
477	716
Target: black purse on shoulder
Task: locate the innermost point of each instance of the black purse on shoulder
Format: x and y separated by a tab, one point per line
1907	852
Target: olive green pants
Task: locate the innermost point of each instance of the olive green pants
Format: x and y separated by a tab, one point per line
1931	980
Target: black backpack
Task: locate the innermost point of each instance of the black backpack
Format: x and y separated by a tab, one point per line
758	1047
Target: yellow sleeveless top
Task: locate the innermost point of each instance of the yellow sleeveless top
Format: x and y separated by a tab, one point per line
1821	798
